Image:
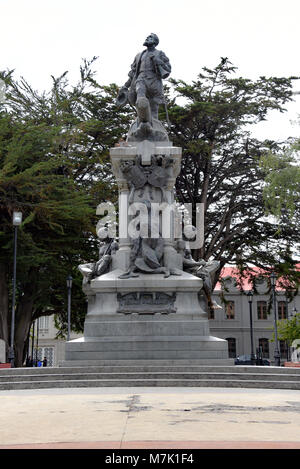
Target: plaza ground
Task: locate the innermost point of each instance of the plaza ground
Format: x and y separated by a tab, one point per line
136	417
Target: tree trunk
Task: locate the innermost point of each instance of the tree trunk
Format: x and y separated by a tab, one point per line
23	324
4	307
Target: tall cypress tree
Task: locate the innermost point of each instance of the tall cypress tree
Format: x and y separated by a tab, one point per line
54	168
221	166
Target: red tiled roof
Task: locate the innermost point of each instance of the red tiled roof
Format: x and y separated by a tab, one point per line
245	282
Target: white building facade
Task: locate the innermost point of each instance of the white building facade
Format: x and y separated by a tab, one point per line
232	320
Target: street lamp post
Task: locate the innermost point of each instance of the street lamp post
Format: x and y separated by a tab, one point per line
69	286
17	220
276	351
37	341
32	341
250	299
287	317
293	313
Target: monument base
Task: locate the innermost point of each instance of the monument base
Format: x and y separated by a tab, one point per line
146	315
146	318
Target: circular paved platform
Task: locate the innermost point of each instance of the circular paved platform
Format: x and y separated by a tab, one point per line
143	418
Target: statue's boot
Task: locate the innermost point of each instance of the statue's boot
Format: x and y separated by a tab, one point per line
143	110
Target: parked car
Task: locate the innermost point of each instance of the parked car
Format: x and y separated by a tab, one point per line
246	360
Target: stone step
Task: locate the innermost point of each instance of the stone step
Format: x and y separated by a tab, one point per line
134	368
226	383
150	375
75	367
149	362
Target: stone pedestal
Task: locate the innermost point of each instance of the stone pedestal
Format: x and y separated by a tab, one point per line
145	319
150	316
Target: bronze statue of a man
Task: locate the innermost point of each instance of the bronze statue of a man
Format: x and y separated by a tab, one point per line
144	88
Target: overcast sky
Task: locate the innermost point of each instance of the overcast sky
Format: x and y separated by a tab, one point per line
40	38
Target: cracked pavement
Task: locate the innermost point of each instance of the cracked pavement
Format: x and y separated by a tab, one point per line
116	417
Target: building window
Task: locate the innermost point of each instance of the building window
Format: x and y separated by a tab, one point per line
262	310
43	323
231	347
264	347
282	312
229	310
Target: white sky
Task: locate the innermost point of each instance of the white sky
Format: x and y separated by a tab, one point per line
40	38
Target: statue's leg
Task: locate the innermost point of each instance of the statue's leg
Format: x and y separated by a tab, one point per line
140	89
128	274
155	95
154	109
142	102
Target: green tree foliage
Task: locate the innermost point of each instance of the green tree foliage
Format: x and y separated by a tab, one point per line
54	168
221	163
282	189
289	329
